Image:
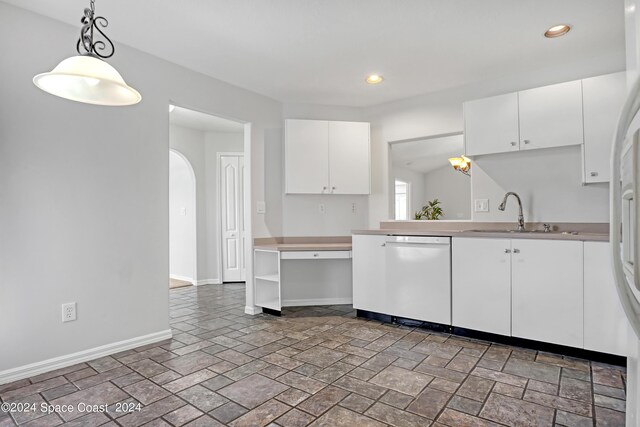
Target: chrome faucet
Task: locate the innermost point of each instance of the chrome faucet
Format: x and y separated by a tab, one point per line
520	215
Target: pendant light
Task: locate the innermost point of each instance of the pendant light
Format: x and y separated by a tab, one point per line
461	164
87	77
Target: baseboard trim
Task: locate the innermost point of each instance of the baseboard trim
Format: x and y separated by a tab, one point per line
316	301
252	310
208	282
38	368
182	278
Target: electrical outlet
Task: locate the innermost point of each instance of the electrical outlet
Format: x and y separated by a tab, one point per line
69	312
354	208
321	208
481	205
261	207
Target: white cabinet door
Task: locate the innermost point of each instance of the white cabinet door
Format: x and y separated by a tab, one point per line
481	285
605	324
369	277
603	97
307	156
551	116
349	158
491	125
547	291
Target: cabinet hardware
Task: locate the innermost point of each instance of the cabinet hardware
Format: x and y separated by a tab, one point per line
513	144
594	174
526	141
324	188
507	251
316	255
333	188
383	245
516	251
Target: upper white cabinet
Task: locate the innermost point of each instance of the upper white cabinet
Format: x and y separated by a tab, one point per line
323	157
491	125
571	113
605	324
349	158
307	156
603	97
551	116
547	291
481	284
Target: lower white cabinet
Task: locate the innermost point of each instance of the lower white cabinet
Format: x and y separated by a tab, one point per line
369	273
605	324
481	290
547	291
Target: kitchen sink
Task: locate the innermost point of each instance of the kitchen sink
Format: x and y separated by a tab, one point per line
522	232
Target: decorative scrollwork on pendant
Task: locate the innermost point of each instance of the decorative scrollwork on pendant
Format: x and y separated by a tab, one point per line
91	24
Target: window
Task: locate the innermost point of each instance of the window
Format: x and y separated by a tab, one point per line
402	200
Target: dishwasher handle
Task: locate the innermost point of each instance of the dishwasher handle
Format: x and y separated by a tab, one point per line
424	240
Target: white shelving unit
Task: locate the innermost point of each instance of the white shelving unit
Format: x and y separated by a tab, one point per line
302	277
267	275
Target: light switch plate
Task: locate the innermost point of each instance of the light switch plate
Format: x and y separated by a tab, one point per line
481	205
261	207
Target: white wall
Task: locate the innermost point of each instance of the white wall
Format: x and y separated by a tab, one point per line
301	213
441	112
453	189
84	192
182	219
416	187
548	182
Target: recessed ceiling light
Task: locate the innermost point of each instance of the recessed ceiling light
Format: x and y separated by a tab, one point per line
374	79
557	31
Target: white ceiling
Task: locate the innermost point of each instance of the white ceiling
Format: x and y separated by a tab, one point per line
426	155
319	51
203	122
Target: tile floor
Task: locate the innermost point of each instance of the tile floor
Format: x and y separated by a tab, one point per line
322	367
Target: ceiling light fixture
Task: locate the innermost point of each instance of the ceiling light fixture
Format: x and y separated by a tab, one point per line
557	31
86	77
374	79
461	164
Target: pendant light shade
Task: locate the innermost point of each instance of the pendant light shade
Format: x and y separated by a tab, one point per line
87	79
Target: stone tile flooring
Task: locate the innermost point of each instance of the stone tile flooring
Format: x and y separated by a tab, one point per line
318	366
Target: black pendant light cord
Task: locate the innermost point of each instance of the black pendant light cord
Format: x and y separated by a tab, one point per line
86	44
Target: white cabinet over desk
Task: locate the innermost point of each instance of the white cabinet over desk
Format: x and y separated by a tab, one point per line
327	157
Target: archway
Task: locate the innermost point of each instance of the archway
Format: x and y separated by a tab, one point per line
182	221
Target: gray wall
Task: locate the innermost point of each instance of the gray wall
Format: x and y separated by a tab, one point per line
84	193
453	189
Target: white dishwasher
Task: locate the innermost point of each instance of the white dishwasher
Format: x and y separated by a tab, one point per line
419	278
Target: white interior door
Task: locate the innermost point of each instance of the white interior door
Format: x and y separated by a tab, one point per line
232	217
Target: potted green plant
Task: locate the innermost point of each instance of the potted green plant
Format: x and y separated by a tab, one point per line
431	211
